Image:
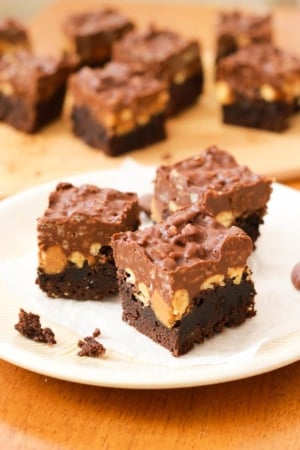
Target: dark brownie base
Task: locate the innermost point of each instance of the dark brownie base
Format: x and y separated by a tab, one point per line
271	116
214	309
88	283
185	94
251	223
95	134
27	117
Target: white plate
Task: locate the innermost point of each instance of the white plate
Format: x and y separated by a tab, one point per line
266	342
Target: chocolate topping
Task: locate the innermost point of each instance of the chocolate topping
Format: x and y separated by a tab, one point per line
256	27
295	276
248	69
34	76
214	180
188	245
77	217
158	50
91	22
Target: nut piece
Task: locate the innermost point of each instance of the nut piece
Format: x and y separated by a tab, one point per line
130	276
226	218
173	206
143	294
268	93
180	302
224	93
53	260
95	248
211	282
162	310
6	89
77	258
236	274
243	40
180	77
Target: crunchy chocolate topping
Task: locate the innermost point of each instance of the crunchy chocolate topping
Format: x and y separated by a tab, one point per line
91	22
214	180
254	26
76	217
248	69
181	252
29	325
34	76
158	50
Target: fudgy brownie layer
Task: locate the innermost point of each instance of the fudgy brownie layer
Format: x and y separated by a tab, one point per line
30	117
272	116
251	223
88	283
185	94
214	309
96	135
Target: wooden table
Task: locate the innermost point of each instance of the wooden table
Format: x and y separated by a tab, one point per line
41	413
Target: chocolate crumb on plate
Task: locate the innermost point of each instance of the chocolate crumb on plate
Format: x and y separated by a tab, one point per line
90	346
29	326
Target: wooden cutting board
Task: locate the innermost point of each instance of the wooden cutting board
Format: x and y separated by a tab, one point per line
56	153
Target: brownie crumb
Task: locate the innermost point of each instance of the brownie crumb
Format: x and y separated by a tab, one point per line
97	332
29	326
90	347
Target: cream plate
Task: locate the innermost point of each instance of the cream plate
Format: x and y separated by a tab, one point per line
268	341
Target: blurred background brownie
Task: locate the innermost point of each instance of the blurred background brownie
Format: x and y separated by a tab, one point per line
231	193
90	35
185	279
170	57
74	234
116	109
237	29
259	87
13	36
32	89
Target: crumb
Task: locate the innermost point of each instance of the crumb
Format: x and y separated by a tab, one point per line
295	276
29	325
97	332
90	347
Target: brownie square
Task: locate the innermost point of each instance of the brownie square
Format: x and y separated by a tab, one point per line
236	30
74	239
13	36
229	192
32	89
170	57
91	34
259	87
116	109
185	279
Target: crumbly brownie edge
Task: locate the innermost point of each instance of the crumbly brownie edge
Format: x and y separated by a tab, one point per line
87	283
271	116
185	94
96	135
30	117
214	309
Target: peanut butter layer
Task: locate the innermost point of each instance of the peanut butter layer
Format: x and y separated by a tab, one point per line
79	221
259	72
167	54
214	180
118	97
170	263
34	78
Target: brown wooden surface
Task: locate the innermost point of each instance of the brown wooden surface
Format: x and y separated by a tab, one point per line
41	413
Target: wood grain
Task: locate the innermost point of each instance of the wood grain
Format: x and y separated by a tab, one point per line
38	413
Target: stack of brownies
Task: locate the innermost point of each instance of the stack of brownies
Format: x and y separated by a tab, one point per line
182	279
